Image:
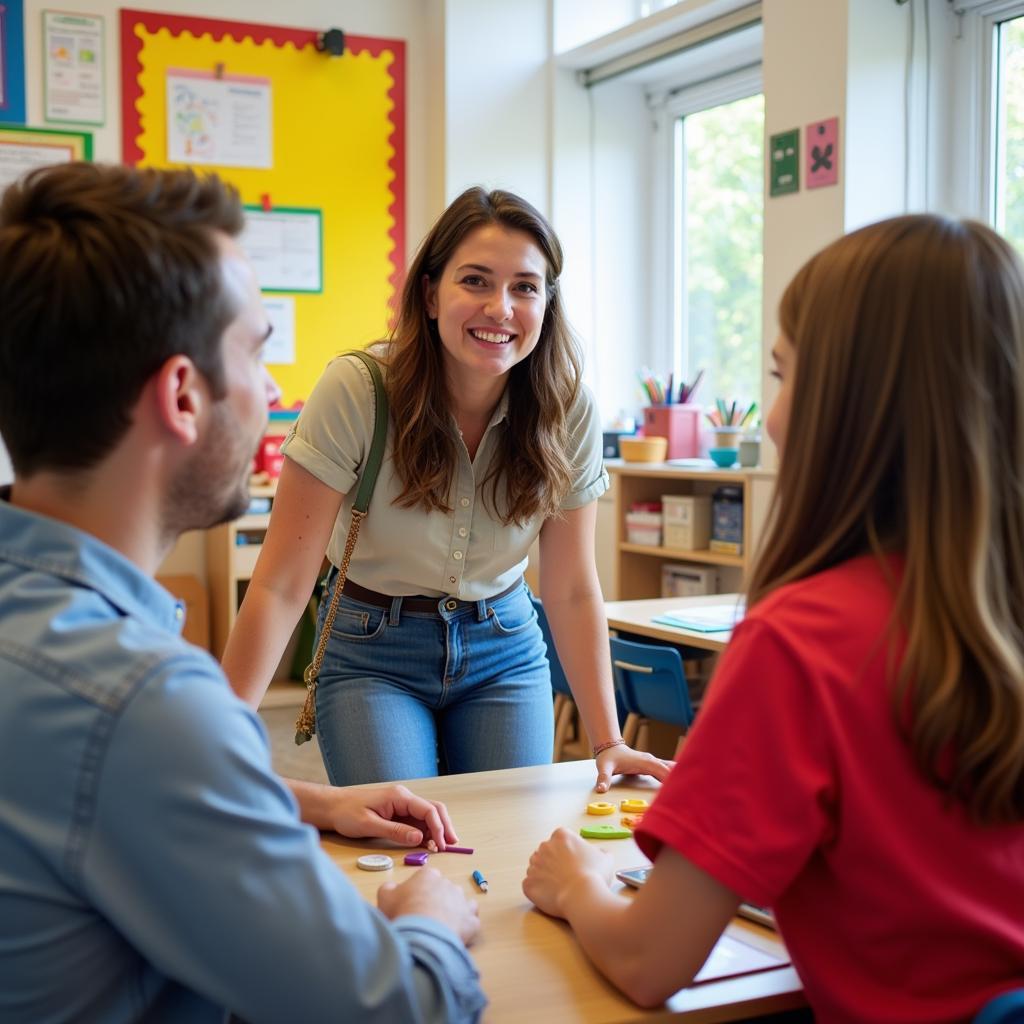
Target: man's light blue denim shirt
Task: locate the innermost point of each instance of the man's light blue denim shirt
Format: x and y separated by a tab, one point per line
151	864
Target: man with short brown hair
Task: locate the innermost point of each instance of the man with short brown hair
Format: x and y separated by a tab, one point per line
153	866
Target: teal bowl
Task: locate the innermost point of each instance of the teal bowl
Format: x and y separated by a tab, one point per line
723	457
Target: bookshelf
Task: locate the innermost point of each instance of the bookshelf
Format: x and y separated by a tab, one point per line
638	566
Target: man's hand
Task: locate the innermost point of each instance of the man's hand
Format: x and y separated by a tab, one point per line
390	812
558	864
429	893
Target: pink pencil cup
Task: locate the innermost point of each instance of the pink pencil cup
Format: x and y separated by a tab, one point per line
680	424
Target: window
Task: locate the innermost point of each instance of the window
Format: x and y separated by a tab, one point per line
717	202
977	92
1008	186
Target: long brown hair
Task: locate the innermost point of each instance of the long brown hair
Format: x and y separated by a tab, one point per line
906	434
531	460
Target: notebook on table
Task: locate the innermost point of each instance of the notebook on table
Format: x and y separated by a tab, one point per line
716	618
731	957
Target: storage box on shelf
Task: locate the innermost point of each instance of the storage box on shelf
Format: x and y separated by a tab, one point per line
687	521
686	496
681	580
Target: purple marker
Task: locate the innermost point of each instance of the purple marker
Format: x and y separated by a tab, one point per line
417	860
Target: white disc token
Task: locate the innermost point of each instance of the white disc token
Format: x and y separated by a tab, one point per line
375	862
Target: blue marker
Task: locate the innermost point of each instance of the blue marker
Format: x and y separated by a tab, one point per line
480	881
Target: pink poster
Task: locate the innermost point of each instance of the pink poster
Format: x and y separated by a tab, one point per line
822	153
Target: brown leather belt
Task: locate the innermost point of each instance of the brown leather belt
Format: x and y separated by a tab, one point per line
418	604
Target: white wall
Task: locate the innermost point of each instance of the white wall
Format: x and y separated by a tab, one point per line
579	21
879	113
804	42
621	302
846	58
497	123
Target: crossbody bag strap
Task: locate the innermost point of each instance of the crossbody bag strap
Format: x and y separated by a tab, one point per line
305	724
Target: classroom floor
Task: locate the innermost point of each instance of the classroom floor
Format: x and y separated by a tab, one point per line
289	760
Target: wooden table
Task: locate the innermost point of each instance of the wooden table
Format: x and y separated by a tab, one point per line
637	617
532	968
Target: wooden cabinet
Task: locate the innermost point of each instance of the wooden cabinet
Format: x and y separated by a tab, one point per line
638	566
231	553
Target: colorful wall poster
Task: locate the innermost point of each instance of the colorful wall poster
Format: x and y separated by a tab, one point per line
24	149
784	163
280	346
337	126
219	120
284	246
74	85
822	153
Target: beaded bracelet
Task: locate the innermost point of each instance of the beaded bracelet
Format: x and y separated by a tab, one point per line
607	744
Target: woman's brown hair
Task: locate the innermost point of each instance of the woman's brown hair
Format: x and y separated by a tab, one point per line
531	463
906	435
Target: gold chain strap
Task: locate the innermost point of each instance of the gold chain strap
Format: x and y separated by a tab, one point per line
305	724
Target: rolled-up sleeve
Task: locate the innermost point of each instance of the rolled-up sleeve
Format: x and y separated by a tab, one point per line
586	453
331	437
198	858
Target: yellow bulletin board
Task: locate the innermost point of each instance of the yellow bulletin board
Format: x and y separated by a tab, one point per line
338	141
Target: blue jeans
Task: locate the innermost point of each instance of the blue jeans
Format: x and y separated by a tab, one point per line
406	695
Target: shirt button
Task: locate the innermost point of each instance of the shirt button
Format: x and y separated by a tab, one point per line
457	555
462	531
464	502
451	579
179	612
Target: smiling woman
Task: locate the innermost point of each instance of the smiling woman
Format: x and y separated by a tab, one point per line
435	661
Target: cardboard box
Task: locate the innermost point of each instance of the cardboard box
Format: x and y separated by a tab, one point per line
686	521
679	580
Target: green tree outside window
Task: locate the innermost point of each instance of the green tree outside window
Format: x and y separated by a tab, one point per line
723	161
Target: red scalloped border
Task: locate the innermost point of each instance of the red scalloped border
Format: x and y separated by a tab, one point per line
131	93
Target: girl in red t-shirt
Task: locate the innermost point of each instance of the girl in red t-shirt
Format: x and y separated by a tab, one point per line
859	761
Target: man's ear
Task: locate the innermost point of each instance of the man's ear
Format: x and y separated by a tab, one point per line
430	297
181	395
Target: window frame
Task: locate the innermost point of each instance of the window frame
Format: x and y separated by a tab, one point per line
974	70
668	235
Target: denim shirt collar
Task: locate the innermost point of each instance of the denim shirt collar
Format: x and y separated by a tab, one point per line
38	543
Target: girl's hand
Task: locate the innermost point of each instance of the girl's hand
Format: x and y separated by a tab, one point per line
623	760
558	864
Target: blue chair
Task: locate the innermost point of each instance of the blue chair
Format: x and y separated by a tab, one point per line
1006	1008
651	682
566	716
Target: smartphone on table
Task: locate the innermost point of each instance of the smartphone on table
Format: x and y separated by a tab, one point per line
762	915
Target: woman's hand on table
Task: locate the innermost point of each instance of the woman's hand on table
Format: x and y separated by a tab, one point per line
560	866
391	812
623	760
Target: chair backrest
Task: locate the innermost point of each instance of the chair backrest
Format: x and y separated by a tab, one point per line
558	681
651	681
1006	1008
